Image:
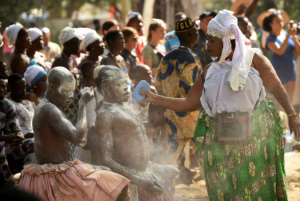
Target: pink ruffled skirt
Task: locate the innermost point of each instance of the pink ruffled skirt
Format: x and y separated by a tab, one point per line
71	181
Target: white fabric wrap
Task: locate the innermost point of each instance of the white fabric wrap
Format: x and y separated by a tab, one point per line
67	34
34	33
89	39
12	32
224	26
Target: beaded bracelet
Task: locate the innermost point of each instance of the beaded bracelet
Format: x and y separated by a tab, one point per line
154	100
294	114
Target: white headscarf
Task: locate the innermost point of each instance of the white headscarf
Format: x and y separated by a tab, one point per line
12	32
34	33
33	74
224	26
67	34
81	32
45	30
89	39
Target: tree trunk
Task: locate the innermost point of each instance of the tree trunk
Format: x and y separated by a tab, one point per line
125	10
147	14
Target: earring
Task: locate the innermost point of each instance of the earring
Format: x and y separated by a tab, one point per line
34	86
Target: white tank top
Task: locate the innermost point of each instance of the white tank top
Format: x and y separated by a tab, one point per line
217	96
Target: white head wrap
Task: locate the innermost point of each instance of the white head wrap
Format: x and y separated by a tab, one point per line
132	15
224	26
81	32
89	39
34	33
45	30
33	74
67	34
12	32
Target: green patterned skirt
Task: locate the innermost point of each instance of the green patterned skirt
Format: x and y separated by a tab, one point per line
252	170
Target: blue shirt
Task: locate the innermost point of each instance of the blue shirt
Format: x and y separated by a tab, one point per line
284	65
171	41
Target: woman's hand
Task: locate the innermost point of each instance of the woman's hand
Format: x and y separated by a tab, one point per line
149	96
294	125
291	30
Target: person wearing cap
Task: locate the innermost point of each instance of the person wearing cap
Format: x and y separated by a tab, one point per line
37	44
51	49
177	73
18	36
69	39
281	46
236	81
171	40
36	78
135	20
201	50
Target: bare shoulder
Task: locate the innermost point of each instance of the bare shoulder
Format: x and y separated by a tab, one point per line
49	110
105	114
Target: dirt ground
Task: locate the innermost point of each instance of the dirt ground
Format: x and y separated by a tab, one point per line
197	191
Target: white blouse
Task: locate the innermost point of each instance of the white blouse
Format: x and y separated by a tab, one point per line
217	96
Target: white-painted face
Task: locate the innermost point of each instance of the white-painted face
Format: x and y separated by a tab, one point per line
117	88
66	91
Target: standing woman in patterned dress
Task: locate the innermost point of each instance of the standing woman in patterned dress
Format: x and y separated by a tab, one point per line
236	81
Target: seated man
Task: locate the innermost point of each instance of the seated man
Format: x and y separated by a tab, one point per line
57	175
9	136
25	108
17	156
123	141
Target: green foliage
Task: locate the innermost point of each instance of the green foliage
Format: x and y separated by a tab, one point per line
10	10
216	5
65	8
292	8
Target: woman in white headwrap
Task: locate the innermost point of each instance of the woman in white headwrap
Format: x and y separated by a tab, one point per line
93	45
37	44
18	36
237	170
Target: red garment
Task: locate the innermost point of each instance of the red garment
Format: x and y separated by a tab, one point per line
6	48
139	49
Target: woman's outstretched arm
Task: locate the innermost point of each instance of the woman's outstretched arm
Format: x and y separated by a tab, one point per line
190	103
274	86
